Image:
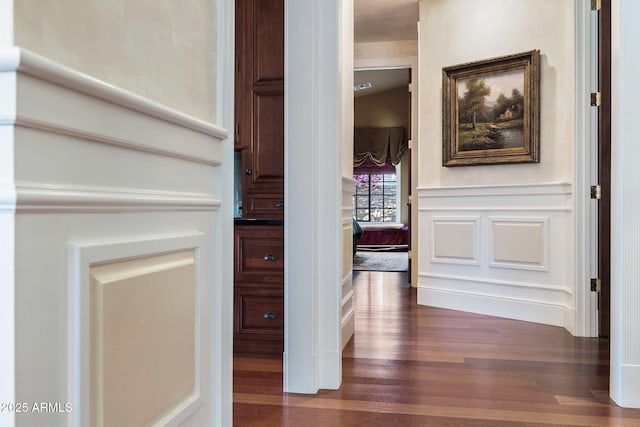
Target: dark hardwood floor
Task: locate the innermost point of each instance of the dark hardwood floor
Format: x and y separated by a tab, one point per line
410	365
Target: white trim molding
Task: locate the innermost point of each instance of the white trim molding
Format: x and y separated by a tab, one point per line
49	198
625	205
585	170
313	232
225	108
54	99
554	196
29	63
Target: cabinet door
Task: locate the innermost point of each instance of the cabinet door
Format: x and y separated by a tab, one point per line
266	157
260	104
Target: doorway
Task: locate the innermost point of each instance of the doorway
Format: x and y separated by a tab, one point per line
382	169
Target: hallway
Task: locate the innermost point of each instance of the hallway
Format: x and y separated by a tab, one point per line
415	365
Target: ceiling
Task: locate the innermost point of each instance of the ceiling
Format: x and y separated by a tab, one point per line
380	80
384	20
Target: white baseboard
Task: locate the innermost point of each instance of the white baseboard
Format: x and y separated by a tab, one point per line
518	309
627	392
330	363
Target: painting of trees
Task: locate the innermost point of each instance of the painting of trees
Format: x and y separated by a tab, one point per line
491	111
472	103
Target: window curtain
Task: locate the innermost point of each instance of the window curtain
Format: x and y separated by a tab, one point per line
378	150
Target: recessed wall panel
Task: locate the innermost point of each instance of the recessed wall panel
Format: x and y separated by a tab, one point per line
455	240
143	338
347	251
519	243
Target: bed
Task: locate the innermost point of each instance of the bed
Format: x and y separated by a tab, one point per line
383	234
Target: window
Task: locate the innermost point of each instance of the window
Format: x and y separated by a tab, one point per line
375	199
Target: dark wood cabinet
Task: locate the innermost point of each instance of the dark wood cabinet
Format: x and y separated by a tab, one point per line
259	289
259	135
259	108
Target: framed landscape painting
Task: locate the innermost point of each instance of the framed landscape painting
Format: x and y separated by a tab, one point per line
491	111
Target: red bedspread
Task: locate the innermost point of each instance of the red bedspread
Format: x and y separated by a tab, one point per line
384	236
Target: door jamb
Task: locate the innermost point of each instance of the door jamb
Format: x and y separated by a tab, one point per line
585	322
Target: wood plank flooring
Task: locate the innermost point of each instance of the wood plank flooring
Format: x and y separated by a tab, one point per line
410	365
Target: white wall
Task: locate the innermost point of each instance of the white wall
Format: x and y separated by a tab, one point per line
382	109
459	31
467	214
377	51
160	50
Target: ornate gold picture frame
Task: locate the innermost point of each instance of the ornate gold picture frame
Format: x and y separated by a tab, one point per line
491	111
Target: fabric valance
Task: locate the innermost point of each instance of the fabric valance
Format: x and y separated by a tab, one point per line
379	145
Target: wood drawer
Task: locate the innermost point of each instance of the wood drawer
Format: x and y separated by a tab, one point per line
259	320
259	254
263	205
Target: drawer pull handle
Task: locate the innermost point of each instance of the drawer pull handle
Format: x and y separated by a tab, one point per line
270	315
280	204
270	257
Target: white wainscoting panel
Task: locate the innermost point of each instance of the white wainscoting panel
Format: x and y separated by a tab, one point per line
519	243
143	338
456	240
136	322
348	325
139	193
347	249
498	250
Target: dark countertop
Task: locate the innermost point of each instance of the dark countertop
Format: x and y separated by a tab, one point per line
244	221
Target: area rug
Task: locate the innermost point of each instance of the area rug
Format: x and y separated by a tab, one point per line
380	261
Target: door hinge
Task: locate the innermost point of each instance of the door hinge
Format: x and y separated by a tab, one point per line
410	144
410	199
409	254
596	192
410	87
596	4
596	285
596	99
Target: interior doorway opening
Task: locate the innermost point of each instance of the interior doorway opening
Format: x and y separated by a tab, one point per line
382	169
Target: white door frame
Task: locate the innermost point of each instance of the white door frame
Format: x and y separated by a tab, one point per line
411	63
313	181
585	158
